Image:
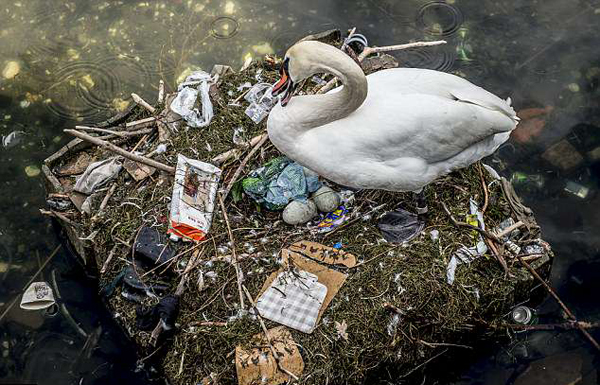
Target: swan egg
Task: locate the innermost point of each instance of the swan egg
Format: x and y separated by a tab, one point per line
297	212
326	199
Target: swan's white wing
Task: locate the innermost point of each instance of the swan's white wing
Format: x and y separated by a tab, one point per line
428	127
421	81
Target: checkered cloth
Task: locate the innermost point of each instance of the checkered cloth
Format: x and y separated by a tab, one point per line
293	299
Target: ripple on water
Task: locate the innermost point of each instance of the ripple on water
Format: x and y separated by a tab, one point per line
224	27
154	62
83	90
438	59
439	18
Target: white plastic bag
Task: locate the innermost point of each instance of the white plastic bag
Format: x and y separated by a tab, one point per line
195	84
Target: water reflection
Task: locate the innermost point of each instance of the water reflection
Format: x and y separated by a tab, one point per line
67	61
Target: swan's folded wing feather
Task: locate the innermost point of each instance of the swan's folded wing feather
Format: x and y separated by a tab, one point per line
429	127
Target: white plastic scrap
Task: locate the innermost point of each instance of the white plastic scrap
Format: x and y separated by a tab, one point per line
467	255
187	94
12	139
97	174
261	101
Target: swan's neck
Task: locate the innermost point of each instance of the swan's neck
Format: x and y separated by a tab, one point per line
307	112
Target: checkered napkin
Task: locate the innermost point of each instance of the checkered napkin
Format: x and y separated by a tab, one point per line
293	299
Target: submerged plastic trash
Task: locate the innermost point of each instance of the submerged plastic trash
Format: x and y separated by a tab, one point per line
261	101
98	174
187	94
577	189
12	139
333	220
38	296
278	182
400	226
527	181
193	198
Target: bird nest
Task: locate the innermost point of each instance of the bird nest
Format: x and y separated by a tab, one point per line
398	310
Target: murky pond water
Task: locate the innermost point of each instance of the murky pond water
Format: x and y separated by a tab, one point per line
64	62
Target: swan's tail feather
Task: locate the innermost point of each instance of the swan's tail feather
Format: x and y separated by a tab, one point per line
487	100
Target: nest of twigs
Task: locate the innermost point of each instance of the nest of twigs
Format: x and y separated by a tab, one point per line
410	277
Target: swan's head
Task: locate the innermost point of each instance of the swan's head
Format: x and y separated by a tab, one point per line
298	64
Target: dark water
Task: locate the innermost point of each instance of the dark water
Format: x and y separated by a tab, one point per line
65	62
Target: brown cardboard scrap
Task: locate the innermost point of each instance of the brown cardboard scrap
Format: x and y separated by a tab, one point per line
563	155
138	171
76	165
331	278
323	253
258	366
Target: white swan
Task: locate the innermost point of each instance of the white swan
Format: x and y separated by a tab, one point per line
397	129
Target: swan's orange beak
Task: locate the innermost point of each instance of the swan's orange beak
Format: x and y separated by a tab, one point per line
285	85
281	85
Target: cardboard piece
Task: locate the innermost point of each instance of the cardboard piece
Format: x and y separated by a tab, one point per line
331	278
257	365
563	155
138	171
76	165
323	253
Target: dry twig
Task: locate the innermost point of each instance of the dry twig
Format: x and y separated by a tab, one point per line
235	260
120	151
560	302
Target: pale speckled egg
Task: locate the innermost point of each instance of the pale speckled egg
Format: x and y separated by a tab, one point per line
297	212
326	199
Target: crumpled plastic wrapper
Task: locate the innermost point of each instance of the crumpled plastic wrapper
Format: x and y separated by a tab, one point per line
187	93
261	102
279	182
98	174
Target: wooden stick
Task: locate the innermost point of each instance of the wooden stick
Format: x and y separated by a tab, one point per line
510	229
5	312
120	151
483	232
110	257
207	323
485	190
221	158
264	328
560	302
124	134
161	92
371	50
104	202
393	308
566	326
239	170
436	344
140	122
235	260
62	217
141	102
191	263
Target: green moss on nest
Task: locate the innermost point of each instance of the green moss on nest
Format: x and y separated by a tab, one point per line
411	277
